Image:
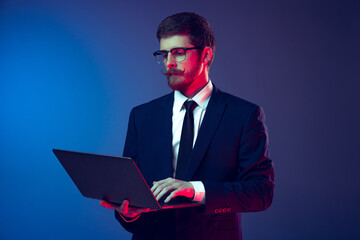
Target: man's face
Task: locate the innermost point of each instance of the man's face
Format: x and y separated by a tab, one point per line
182	74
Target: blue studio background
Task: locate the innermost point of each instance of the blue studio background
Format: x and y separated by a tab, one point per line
70	72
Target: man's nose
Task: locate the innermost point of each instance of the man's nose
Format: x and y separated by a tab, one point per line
170	61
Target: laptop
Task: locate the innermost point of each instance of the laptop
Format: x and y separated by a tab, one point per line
113	179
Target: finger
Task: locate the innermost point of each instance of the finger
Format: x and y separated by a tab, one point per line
140	210
126	203
164	191
170	184
171	196
157	190
185	190
159	183
135	211
164	187
124	208
164	181
153	186
108	205
127	209
105	204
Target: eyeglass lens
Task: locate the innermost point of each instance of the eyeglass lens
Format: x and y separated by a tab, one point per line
176	54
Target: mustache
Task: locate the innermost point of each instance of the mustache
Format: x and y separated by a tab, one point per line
173	71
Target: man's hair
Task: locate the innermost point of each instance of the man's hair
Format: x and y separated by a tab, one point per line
195	26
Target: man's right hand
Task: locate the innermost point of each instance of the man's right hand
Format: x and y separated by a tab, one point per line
124	209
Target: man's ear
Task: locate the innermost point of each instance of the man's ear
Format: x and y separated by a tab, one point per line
206	55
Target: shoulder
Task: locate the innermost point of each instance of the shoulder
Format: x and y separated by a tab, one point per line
240	110
234	102
148	107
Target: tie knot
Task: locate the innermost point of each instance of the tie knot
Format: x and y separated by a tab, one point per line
190	105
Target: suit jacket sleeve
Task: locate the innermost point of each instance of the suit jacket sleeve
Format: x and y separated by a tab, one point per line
252	189
130	150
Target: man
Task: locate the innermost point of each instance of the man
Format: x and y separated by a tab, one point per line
224	165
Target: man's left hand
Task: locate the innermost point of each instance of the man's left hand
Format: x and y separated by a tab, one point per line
173	186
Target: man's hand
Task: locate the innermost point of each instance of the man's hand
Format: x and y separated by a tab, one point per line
124	209
173	186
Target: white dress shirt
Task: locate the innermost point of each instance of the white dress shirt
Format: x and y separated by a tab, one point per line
202	99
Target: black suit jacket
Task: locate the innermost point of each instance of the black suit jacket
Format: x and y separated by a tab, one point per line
230	157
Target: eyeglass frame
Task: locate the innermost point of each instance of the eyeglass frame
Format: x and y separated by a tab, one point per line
159	52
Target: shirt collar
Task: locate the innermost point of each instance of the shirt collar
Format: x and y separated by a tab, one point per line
201	98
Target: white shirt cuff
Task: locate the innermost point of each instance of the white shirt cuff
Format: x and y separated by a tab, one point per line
199	190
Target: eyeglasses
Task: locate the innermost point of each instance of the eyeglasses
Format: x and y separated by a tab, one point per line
178	54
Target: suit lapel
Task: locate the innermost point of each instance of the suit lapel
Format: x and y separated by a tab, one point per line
210	123
164	136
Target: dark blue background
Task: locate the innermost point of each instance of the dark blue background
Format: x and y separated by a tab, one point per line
70	72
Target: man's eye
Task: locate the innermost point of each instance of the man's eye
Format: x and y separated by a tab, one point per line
178	52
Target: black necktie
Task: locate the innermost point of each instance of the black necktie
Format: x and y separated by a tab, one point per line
186	141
